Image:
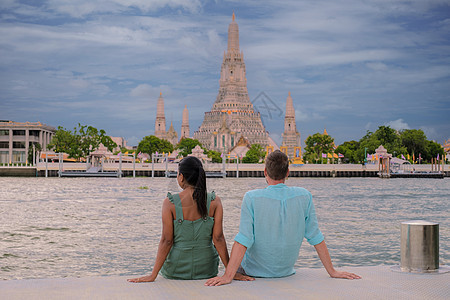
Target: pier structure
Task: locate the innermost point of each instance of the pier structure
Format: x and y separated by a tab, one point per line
231	169
378	282
392	167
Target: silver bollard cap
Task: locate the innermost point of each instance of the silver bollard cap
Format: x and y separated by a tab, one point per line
419	222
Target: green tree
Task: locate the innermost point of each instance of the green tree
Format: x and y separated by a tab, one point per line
37	148
125	150
151	144
81	142
186	145
367	144
386	136
214	155
254	155
65	141
390	139
317	144
414	140
433	149
348	149
90	139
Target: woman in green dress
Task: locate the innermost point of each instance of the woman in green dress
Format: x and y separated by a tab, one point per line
192	238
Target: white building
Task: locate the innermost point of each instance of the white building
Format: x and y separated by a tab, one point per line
17	138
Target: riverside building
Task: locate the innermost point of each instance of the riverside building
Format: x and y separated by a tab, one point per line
16	139
232	114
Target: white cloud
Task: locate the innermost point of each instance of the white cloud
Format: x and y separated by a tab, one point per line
398	124
377	66
79	83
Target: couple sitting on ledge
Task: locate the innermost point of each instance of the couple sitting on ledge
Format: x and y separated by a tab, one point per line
274	221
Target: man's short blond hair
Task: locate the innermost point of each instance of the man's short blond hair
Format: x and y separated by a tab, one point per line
277	165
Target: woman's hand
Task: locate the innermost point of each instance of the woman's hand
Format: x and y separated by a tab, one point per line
149	278
219	280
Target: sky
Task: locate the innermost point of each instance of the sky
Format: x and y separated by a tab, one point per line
350	65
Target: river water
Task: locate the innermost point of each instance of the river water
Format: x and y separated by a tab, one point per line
76	227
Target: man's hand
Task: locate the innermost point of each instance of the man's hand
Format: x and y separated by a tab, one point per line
345	275
219	280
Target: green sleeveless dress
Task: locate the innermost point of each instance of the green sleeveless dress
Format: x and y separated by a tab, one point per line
193	255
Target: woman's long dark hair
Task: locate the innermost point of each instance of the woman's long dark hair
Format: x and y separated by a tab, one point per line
194	174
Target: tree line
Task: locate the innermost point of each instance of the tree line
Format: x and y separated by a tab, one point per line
83	140
411	144
80	142
151	144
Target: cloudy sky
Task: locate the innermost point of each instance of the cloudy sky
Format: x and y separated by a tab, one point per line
350	65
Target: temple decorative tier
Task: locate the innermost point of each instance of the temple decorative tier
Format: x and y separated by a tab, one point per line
232	114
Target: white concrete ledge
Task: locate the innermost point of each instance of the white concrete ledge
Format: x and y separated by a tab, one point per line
378	282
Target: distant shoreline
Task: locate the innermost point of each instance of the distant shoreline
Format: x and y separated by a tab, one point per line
245	170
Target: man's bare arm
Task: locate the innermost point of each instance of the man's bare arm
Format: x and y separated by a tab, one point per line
324	255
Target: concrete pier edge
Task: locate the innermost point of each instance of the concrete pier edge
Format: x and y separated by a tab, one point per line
378	282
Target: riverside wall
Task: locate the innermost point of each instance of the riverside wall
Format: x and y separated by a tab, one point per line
18	171
245	170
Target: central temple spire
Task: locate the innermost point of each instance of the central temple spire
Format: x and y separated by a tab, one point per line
233	36
232	115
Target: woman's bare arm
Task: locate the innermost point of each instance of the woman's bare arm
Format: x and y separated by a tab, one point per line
217	235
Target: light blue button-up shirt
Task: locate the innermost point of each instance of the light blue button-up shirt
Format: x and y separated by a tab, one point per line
273	223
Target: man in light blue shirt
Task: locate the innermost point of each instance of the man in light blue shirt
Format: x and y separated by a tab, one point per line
273	223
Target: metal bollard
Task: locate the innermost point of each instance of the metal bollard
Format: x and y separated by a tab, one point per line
419	246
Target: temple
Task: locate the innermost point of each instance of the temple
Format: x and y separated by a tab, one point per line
232	114
160	122
291	137
185	133
291	144
172	135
